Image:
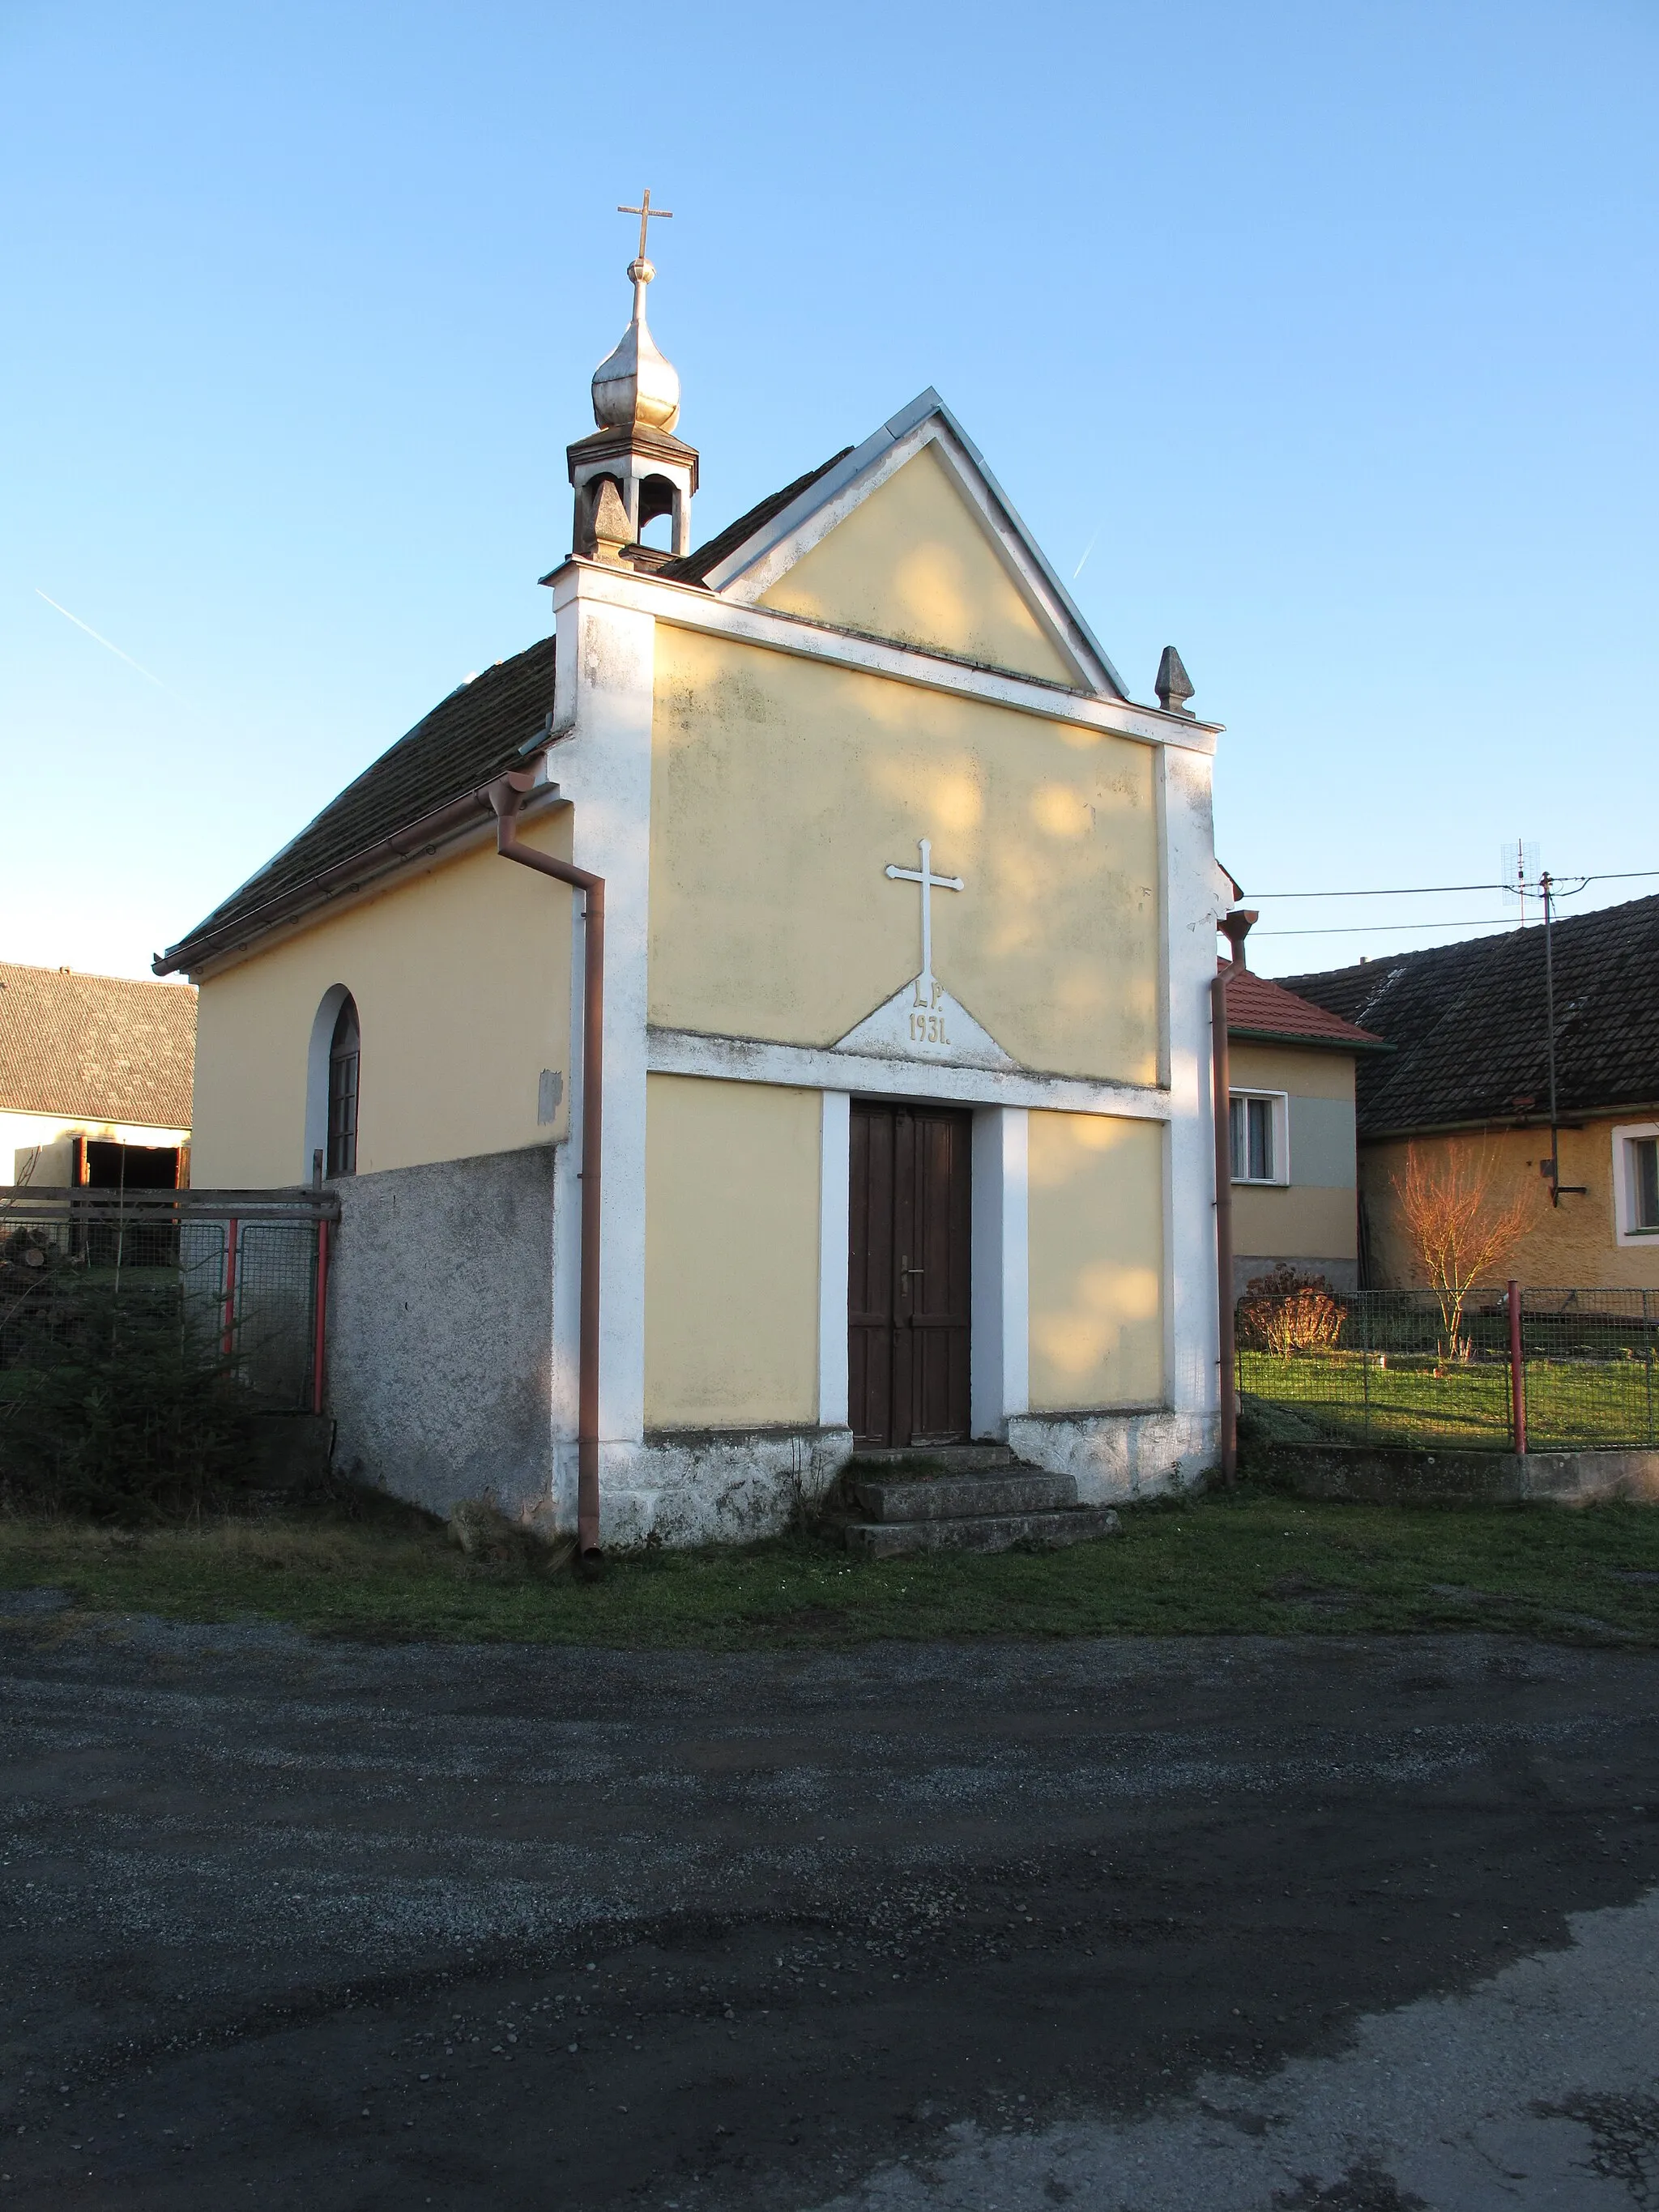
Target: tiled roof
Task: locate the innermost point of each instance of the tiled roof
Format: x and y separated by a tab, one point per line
96	1048
467	739
1258	1008
695	568
1467	1022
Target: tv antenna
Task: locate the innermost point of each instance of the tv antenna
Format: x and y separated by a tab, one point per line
1517	871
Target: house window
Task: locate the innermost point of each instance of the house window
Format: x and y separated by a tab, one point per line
1644	1183
1258	1131
1635	1181
343	1054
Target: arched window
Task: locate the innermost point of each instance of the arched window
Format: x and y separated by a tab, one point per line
343	1052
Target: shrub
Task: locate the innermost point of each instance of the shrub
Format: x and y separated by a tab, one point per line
118	1405
1287	1312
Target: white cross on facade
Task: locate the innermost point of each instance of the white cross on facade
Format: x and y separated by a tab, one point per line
930	882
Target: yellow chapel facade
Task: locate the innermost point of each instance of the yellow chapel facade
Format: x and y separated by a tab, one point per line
903	1078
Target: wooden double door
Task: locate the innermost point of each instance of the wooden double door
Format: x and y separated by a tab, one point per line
908	1283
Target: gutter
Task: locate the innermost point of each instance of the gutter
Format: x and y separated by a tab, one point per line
1322	1044
416	841
507	795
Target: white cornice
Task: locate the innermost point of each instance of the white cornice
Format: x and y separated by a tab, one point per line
815	1068
687	606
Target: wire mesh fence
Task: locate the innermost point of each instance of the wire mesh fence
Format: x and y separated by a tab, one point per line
233	1276
1591	1364
1430	1370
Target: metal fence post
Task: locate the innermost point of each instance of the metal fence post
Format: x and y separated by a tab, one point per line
1647	1364
1517	1373
319	1317
1365	1355
229	1345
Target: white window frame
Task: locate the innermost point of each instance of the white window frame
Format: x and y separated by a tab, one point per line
1623	1183
1280	1102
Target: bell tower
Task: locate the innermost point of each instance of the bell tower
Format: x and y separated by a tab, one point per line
632	469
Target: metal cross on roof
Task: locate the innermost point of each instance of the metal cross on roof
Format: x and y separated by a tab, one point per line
647	215
930	882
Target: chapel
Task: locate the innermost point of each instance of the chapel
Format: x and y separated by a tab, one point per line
765	1019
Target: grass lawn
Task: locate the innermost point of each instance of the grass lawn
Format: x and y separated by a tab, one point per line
1570	1403
1251	1562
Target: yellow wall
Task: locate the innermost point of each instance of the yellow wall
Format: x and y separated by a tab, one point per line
1306	1072
1294	1223
1570	1246
781	788
731	1253
1097	1262
914	562
462	980
1314	1216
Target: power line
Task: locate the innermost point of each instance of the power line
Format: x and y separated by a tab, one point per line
1394	928
1425	890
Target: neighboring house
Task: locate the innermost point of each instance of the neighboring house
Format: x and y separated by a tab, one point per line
1292	1075
908	910
95	1076
1470	1075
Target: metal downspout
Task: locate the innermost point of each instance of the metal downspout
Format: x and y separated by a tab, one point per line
506	795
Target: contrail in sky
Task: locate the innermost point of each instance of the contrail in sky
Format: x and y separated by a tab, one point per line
104	641
1076	572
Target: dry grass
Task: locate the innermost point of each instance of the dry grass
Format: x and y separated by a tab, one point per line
1250	1563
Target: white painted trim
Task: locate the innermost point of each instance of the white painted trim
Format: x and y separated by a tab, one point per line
835	1233
316	1051
1623	1205
815	1068
604	686
1280	1102
1007	546
751	568
1000	1333
685	606
1190	887
567	1231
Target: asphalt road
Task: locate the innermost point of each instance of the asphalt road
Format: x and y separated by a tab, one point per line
1360	1923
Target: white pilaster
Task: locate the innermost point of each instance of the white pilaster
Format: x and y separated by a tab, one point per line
1000	1292
835	1200
604	696
1189	874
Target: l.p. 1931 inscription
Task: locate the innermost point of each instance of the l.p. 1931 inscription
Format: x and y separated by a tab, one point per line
928	1011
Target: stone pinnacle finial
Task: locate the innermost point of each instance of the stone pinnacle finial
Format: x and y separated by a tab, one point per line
1174	686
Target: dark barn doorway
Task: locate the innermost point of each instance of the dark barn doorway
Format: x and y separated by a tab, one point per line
909	1284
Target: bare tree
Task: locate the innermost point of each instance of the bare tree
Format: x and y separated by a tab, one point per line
1462	1229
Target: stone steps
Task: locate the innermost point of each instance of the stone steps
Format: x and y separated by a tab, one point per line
933	1502
933	1459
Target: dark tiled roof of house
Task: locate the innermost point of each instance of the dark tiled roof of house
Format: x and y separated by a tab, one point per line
695	568
1468	1022
474	733
96	1048
1260	1008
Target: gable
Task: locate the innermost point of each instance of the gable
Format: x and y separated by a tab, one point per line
912	561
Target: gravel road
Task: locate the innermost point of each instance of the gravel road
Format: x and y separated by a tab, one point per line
1360	1923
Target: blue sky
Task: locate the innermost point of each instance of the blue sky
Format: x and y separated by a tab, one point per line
1323	337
